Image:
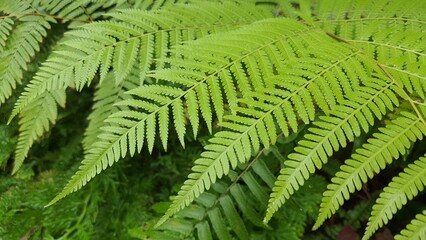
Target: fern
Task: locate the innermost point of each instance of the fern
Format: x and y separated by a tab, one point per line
402	188
330	133
155	102
291	98
33	20
415	230
20	46
325	75
232	209
116	43
389	144
33	125
95	46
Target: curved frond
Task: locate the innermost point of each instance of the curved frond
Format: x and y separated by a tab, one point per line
154	101
415	230
393	38
5	30
234	207
392	141
133	38
21	45
36	120
292	98
402	188
106	95
355	115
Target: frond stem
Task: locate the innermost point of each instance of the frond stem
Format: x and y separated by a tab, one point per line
410	100
389	46
372	19
47	15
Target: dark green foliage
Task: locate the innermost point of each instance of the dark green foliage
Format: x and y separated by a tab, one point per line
285	116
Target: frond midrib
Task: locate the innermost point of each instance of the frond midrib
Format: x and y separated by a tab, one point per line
404	71
372	19
386	45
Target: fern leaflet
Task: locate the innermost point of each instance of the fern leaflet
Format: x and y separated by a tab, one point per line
33	125
256	123
348	120
416	230
402	188
117	43
393	140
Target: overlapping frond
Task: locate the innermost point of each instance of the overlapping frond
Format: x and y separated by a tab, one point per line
293	97
396	50
233	205
415	230
394	38
20	46
236	64
346	121
132	38
128	43
6	25
31	23
393	140
227	204
152	104
401	189
174	65
106	95
33	125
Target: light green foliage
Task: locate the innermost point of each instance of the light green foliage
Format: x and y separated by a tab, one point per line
304	80
345	123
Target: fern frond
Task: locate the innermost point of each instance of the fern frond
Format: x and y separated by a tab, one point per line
292	98
75	11
225	210
393	39
402	188
392	141
236	203
242	73
5	30
415	230
131	34
24	40
153	99
355	115
106	95
21	45
36	120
